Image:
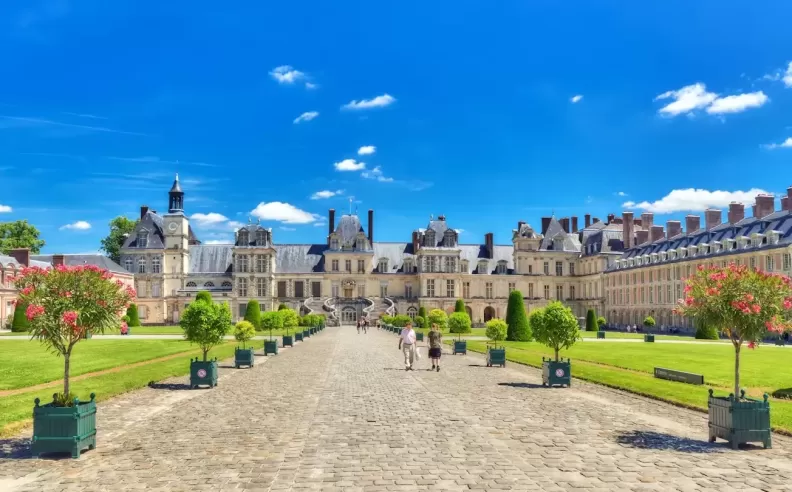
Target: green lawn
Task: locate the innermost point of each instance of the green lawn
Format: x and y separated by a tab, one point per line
619	334
630	366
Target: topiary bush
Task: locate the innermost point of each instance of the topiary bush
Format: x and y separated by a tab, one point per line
516	319
459	307
271	320
20	322
459	322
282	306
419	321
253	314
705	332
591	321
386	320
649	322
438	317
244	331
203	296
496	330
401	320
291	319
132	312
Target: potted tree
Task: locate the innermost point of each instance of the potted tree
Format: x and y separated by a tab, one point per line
205	323
556	327
744	304
437	317
459	323
496	332
649	322
62	305
601	322
244	332
271	320
517	321
290	321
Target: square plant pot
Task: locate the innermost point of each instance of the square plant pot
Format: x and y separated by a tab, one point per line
496	357
780	342
739	421
306	334
419	337
288	341
64	429
271	347
203	373
649	338
600	334
460	347
243	357
556	373
298	337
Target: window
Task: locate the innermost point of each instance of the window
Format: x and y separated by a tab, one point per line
787	261
408	293
429	239
242	286
142	312
559	268
530	268
571	291
409	266
156	265
412	312
316	289
155	289
348	266
383	290
501	267
559	292
753	262
431	264
260	265
261	238
530	291
488	291
242	263
651	295
483	268
463	266
191	285
243	239
282	288
141	265
659	295
128	265
450	288
430	287
361	266
547	292
261	287
466	290
668	294
226	284
547	268
334	290
571	268
383	265
142	239
242	309
299	289
209	284
769	263
450	264
335	265
512	287
642	295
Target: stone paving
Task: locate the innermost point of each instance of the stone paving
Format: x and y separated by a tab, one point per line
339	412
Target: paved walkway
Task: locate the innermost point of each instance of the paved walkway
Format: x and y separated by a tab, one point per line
339	412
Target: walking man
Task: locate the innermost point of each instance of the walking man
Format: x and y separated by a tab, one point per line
407	346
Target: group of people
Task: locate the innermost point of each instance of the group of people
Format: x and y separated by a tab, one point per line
362	324
407	346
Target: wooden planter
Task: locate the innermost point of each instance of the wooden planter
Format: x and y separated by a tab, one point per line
306	334
460	347
288	341
600	334
739	421
203	373
271	347
780	342
298	337
649	338
556	373
243	357
64	429
496	357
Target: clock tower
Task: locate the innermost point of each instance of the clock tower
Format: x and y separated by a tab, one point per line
176	231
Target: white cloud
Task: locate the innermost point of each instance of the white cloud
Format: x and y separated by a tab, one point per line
376	173
576	99
785	76
234	225
307	116
4	209
377	102
320	224
80	225
621	193
283	212
786	144
286	74
287	228
311	85
349	165
737	103
692	199
218	241
367	150
212	218
319	195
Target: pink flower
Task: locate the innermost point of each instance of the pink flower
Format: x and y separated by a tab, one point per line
787	304
66	294
751	345
756	308
33	311
70	318
749	297
27	290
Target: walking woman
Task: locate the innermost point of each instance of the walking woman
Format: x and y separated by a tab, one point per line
435	346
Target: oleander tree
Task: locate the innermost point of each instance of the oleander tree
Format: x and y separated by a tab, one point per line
65	303
244	331
555	326
290	319
438	317
272	320
742	303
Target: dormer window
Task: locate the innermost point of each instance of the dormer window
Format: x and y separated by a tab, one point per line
142	239
383	265
482	267
745	242
501	269
672	254
464	266
558	243
429	239
730	244
773	237
663	256
334	245
261	238
703	248
654	257
756	240
692	250
409	266
449	238
243	239
716	246
682	252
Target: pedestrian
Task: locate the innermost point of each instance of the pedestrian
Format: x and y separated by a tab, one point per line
435	346
365	325
407	346
358	326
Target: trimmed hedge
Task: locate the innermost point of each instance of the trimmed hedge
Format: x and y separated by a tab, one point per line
253	314
20	322
132	312
517	321
591	321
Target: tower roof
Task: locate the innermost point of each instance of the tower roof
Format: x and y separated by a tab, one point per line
176	188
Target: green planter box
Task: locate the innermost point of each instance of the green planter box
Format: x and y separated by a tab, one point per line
64	429
298	337
460	347
203	373
556	373
496	357
739	421
649	338
419	337
306	334
288	341
780	342
243	357
271	347
600	334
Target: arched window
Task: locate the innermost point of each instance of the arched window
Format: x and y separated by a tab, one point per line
191	285
227	284
412	312
383	265
209	284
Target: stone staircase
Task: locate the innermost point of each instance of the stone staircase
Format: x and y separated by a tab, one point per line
318	305
380	306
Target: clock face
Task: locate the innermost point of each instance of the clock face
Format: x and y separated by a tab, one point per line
173	226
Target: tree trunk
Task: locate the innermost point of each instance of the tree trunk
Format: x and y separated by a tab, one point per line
205	352
66	357
556	351
737	371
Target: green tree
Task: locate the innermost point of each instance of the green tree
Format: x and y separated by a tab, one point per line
419	321
422	312
132	312
244	332
649	322
388	320
601	322
20	234
20	323
516	319
205	324
459	307
496	330
459	322
120	228
291	319
438	317
203	295
401	320
282	306
253	313
272	320
706	332
555	326
591	321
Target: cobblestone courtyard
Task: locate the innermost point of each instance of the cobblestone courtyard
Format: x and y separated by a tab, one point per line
339	412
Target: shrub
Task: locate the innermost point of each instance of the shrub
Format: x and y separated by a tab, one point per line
649	322
290	319
271	320
496	330
459	322
311	320
555	326
459	307
419	321
704	332
388	320
132	312
205	324
282	306
204	296
401	320
253	314
601	322
516	319
422	312
20	322
244	331
591	321
424	317
438	317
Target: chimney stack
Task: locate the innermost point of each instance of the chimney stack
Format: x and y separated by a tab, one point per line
753	210
595	220
692	223
789	198
627	229
143	211
545	224
641	237
674	228
587	217
416	241
765	205
371	228
21	255
784	203
647	220
58	260
611	218
564	224
736	212
331	221
574	224
712	218
490	245
656	233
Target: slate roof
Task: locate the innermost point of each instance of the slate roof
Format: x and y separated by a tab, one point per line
348	228
10	260
602	238
74	260
210	258
152	222
571	243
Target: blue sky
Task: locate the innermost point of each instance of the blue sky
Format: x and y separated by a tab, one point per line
469	106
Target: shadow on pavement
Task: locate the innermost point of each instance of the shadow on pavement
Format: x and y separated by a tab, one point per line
169	386
657	440
16	448
521	385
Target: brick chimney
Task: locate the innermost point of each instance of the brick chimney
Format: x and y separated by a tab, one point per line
765	205
627	229
594	220
784	203
21	255
564	224
330	221
545	224
587	217
611	218
641	237
58	260
753	210
692	223
520	223
416	241
789	197
712	218
371	227
736	212
674	228
574	224
647	220
656	233
489	243
143	211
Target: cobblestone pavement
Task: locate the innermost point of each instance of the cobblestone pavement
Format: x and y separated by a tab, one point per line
339	412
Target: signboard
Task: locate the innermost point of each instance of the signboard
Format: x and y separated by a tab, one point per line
201	373
559	373
682	377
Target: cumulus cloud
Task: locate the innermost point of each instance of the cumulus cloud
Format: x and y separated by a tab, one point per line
621	193
695	200
693	97
80	225
349	165
737	103
287	228
4	209
286	74
307	116
321	195
576	99
786	144
283	212
218	241
212	218
367	150
376	173
784	75
377	102
311	85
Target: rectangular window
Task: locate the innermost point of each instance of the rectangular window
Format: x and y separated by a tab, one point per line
282	288
450	264
769	263
642	295
261	287
559	292
466	290
260	263
383	290
348	266
408	291
334	290
651	295
547	268
571	291
335	265
362	290
242	309
488	292
242	263
450	288
559	268
142	312
677	291
316	289
547	292
156	265
530	291
530	269
668	295
299	289
362	266
142	265
753	262
512	287
642	277
787	262
571	268
430	291
242	286
155	289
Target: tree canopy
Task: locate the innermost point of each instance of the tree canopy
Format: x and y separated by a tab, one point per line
438	317
120	228
244	331
290	319
555	326
205	324
496	330
459	322
20	234
272	320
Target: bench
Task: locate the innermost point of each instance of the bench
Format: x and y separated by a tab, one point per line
680	376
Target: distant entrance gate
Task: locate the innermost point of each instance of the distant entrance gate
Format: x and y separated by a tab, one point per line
348	315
